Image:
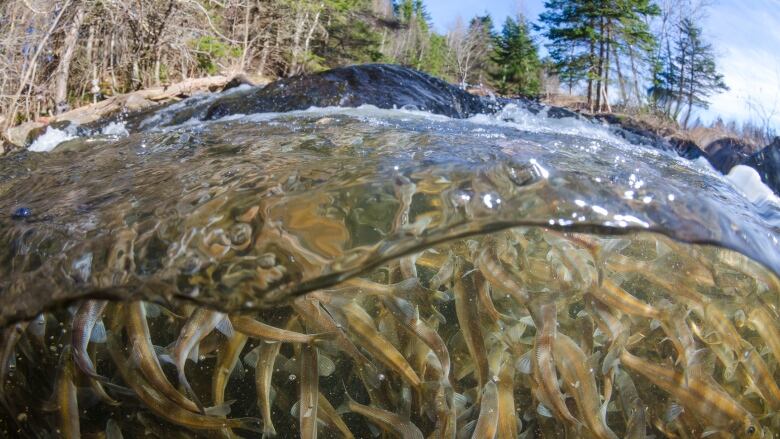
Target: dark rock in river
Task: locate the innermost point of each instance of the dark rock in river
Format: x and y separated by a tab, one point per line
634	131
726	153
767	163
536	107
381	85
686	148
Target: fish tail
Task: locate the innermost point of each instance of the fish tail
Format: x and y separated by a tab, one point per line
188	389
84	363
268	430
249	424
324	337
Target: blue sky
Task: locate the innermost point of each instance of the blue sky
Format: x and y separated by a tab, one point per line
745	33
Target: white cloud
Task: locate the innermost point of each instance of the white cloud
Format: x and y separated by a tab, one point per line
746	36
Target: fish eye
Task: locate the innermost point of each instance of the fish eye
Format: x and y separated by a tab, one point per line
751	430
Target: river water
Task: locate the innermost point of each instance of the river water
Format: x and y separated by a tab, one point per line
515	273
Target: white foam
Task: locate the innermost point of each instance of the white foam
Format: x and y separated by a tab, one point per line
115	129
51	138
748	181
522	119
701	163
511	116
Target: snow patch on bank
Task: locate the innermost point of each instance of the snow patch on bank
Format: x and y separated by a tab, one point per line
53	137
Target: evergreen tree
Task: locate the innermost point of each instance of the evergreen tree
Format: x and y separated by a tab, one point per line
517	59
689	75
588	37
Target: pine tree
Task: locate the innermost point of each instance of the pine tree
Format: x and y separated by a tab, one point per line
689	75
517	58
588	37
570	27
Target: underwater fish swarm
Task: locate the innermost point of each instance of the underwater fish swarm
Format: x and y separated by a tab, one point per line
526	332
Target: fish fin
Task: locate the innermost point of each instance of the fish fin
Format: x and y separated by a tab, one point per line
268	431
524	364
166	358
287	364
225	327
460	401
219	410
411	284
51	405
614	245
252	357
159	350
112	430
188	389
343	408
239	370
38	326
135	355
611	360
542	410
295	409
516	332
709	431
375	431
152	310
527	321
325	365
618	278
250	424
672	412
121	390
193	354
97	387
321	338
469	427
436	316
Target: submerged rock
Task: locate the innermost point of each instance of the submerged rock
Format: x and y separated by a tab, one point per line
381	85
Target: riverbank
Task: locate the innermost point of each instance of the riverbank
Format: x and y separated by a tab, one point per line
22	135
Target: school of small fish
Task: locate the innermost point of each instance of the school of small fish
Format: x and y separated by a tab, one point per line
522	333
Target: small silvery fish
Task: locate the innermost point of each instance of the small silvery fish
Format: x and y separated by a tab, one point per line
545	364
385	419
309	392
198	326
702	396
579	382
67	400
468	319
